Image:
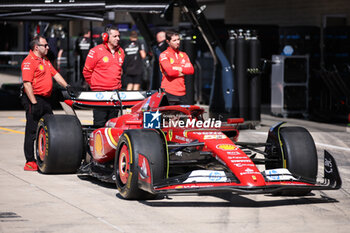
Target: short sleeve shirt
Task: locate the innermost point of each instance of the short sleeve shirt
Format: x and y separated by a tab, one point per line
39	72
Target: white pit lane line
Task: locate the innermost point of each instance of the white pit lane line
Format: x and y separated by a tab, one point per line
318	144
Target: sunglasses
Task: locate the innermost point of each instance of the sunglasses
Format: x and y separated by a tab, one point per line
45	45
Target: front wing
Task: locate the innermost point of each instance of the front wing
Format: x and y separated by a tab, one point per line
183	184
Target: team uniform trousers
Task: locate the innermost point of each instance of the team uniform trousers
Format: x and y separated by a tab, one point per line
44	107
101	116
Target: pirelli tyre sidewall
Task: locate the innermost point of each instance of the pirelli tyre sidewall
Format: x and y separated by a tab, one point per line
297	152
132	143
59	144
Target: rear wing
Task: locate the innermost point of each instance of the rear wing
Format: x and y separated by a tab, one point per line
102	100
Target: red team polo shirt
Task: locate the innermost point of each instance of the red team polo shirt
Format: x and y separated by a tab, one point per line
171	81
102	70
38	71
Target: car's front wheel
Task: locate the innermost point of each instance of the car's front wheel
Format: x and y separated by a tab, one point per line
131	145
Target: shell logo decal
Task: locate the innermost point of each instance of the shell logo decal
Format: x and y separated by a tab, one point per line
171	61
226	147
105	59
98	144
41	67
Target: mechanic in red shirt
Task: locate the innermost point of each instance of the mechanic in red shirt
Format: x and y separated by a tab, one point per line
174	65
103	70
37	73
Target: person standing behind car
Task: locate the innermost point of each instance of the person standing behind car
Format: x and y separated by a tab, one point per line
133	65
174	65
82	47
37	73
161	46
103	70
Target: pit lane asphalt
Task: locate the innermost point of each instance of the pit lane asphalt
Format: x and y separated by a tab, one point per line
32	202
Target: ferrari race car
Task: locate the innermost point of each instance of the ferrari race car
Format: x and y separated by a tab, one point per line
156	148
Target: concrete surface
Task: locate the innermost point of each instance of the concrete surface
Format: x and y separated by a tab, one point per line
33	202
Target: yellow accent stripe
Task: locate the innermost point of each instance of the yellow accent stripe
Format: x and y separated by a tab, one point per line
11	130
130	149
87	121
167	153
281	144
111	137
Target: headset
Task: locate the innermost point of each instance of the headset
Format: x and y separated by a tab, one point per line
105	35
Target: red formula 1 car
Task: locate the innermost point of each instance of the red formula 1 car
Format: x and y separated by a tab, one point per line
156	148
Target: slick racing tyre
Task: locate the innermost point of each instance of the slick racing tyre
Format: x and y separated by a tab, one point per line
298	155
131	144
59	144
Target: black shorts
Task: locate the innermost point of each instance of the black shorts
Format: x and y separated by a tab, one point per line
135	79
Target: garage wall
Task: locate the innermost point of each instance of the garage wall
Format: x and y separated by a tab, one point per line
283	12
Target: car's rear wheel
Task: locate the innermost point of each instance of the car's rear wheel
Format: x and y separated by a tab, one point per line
297	153
132	143
59	144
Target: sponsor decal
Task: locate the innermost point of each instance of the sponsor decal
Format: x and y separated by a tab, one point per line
226	147
278	174
98	144
105	59
207	132
249	173
182	138
237	157
99	95
234	153
122	95
206	176
151	120
241	161
41	67
171	61
214	136
244	165
181	55
215	176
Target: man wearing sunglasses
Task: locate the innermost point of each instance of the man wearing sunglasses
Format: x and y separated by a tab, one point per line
37	73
